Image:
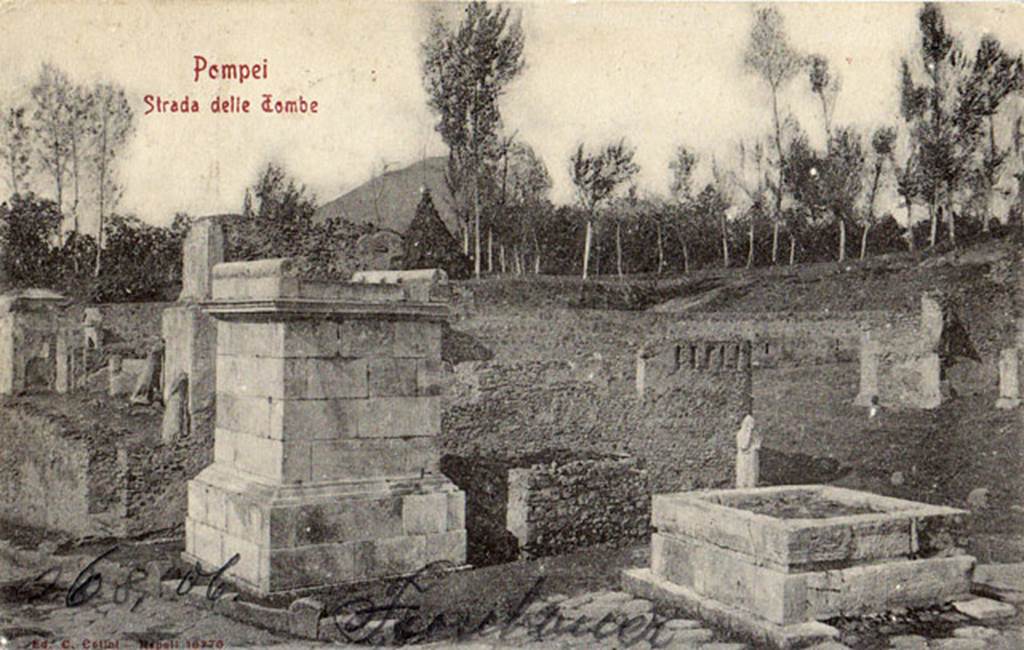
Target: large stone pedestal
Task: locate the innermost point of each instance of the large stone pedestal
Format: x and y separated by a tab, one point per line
326	462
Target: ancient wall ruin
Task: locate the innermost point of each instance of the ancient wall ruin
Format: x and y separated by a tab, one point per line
681	430
549	502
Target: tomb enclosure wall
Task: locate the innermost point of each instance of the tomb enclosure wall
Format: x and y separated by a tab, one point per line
681	430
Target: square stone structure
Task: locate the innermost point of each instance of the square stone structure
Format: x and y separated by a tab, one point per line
771	561
29	328
899	359
326	453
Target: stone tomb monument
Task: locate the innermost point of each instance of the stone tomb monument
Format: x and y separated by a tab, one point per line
900	365
773	561
326	458
190	335
29	333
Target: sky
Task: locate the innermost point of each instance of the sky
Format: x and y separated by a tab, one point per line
658	74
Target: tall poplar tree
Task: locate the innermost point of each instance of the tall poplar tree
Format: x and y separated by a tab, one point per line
466	70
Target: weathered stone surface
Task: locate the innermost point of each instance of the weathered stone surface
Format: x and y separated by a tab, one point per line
1001	576
1009	379
984	609
887	585
336	521
975	632
392	377
448	546
304	616
425	514
203	248
959	644
908	642
377	458
732	578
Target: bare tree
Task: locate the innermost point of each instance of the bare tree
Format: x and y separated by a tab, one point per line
882	144
51	95
596	177
826	86
16	147
112	125
682	166
770	56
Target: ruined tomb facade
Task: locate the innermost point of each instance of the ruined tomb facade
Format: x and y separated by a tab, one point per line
190	335
29	332
903	359
326	459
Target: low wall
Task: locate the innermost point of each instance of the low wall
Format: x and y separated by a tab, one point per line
683	434
559	506
77	464
53	476
784	339
549	502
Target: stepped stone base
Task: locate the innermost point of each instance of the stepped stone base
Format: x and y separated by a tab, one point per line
294	537
772	561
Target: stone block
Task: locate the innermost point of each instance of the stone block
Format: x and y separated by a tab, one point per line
245	518
1009	379
304	616
246	414
277	460
256	339
249	566
340	520
316	378
314	419
446	547
430	379
456	510
207	543
197	499
399	555
417	339
309	566
425	514
374	458
733	579
250	376
364	338
388	417
392	377
215	509
203	248
888	585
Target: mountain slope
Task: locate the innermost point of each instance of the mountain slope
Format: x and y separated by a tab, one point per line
389	201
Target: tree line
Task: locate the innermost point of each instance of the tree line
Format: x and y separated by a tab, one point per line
778	200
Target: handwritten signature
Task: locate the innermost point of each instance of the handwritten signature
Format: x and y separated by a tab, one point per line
88	584
360	619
